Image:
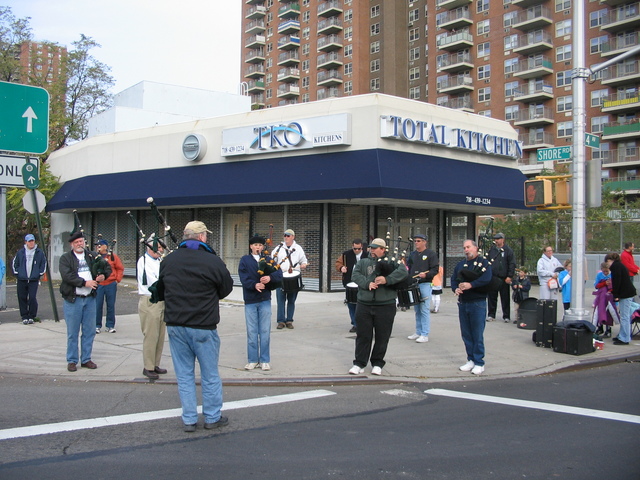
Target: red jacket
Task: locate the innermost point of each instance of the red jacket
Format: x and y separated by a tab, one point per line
117	269
627	260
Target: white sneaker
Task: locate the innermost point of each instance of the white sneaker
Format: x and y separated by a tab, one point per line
477	370
97	330
490	319
266	366
356	370
413	337
251	366
422	339
467	366
376	371
111	330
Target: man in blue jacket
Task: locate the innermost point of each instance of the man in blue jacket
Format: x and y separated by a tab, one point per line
29	265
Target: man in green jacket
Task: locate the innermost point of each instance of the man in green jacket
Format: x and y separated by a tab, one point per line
376	306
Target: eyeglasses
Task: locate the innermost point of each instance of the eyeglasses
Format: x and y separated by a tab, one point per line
357	248
287	235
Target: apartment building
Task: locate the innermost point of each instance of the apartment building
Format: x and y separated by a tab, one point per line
41	63
509	59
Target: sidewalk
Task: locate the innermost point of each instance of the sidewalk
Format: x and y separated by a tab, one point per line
319	349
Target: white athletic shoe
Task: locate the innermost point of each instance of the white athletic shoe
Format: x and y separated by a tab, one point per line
467	367
376	371
422	339
251	366
356	370
413	337
265	367
477	370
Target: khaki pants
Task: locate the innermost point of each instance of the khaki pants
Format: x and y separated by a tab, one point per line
153	329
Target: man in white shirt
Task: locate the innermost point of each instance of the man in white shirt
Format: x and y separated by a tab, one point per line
291	258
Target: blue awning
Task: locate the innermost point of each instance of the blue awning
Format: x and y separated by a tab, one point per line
362	174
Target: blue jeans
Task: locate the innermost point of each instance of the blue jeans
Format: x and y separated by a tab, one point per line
258	319
472	322
352	312
290	298
186	345
624	304
423	313
77	315
107	292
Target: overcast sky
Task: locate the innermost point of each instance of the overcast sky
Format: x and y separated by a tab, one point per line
194	43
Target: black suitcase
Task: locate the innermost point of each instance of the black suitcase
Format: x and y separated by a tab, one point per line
528	314
574	341
547	314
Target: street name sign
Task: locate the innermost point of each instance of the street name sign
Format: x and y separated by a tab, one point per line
591	140
555	153
24	118
11	168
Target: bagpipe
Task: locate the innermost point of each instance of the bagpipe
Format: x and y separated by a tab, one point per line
386	265
98	265
485	242
266	264
154	240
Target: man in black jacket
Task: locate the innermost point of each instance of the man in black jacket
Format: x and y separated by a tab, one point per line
193	280
81	271
623	292
344	265
503	266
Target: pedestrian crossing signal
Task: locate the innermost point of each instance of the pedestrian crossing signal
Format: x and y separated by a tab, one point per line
538	193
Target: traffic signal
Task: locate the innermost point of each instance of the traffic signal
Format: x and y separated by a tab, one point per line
562	192
538	193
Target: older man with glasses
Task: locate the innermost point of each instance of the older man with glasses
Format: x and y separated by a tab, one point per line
290	256
345	265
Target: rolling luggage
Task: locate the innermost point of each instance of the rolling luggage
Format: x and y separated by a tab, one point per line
573	338
547	314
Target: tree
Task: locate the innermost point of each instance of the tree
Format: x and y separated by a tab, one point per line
13	33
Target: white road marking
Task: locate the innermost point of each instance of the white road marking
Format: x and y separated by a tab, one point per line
21	432
587	412
402	393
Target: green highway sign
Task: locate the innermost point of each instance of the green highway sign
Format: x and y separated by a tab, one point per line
555	153
24	118
591	140
30	176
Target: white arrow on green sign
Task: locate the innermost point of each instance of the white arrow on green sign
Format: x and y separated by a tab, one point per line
24	118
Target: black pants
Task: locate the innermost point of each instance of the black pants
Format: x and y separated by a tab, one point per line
27	298
492	301
373	321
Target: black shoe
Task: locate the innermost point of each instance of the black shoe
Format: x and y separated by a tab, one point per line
353	330
159	370
150	374
190	428
220	423
619	342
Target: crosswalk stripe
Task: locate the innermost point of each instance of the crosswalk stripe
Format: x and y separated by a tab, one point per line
30	431
551	407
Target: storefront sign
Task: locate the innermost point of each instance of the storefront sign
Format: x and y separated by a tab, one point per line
295	135
418	131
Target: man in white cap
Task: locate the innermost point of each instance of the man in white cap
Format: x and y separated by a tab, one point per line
192	281
376	307
291	258
29	265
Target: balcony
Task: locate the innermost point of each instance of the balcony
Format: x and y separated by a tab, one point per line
629	186
536	67
255	26
613	3
454	62
288	91
620	44
254	71
455	84
290	58
290	10
622	157
533	93
534	117
330	9
288	27
451	4
288	75
463	103
533	18
254	56
289	42
621	73
533	42
255	86
524	3
455	19
255	41
621	103
324	93
258	11
329	78
626	17
254	2
329	43
329	26
455	41
284	103
617	131
535	140
329	61
257	101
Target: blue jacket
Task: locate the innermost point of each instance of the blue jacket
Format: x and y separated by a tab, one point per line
481	278
38	268
249	277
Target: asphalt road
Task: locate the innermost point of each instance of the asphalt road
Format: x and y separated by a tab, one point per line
376	431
